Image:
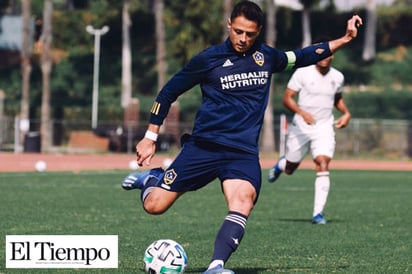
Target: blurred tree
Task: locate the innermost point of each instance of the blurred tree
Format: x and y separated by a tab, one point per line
306	32
26	53
402	3
4	4
171	124
268	139
330	6
12	7
46	67
369	46
192	25
126	56
76	4
160	43
227	9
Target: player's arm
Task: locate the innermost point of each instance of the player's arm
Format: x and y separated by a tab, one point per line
182	81
340	105
312	54
289	101
351	33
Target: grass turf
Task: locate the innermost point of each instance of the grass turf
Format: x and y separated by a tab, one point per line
369	228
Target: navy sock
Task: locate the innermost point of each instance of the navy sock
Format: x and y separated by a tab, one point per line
229	236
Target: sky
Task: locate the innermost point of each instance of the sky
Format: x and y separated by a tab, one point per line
340	4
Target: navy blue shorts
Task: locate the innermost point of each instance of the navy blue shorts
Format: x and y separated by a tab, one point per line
199	163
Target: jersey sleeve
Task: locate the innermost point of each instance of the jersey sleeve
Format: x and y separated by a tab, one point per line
295	82
307	56
189	76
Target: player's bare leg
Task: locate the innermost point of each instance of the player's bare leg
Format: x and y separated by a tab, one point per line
155	199
158	200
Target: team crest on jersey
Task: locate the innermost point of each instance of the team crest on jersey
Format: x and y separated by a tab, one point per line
170	176
259	58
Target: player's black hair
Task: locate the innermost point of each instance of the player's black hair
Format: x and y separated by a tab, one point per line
249	10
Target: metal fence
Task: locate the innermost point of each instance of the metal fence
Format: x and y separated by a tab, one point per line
376	138
362	137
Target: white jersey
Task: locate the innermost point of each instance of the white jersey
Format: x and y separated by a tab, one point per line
316	91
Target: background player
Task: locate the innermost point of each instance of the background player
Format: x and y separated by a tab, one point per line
234	78
319	88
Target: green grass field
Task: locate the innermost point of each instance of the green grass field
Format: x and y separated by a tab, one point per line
369	214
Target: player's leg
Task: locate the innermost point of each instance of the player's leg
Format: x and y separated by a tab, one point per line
158	200
297	145
241	195
322	148
161	188
277	169
155	199
322	186
192	169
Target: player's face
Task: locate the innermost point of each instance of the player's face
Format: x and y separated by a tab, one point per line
242	33
325	63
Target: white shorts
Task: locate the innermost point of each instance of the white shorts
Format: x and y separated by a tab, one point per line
319	137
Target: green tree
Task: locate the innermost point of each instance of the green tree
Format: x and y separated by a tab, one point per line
191	26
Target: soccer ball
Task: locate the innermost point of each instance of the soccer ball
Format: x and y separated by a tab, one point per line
40	166
165	257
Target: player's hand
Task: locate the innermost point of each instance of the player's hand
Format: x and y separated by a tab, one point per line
145	151
308	118
352	26
343	121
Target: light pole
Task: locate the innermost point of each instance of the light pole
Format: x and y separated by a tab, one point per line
97	33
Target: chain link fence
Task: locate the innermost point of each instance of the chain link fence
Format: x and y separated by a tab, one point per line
362	138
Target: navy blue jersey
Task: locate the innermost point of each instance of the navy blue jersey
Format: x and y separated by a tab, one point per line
235	90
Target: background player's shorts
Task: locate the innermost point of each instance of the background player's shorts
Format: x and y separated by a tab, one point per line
199	163
319	138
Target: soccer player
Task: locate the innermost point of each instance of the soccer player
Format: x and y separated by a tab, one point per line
234	78
319	90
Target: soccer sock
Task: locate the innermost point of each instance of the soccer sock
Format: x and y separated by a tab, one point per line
322	185
148	187
281	164
229	236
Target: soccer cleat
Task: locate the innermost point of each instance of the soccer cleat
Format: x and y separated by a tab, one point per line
139	179
319	220
275	172
218	270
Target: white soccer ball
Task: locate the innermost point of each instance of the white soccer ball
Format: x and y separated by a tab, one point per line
133	165
165	257
40	166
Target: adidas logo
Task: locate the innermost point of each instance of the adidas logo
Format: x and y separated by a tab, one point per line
227	63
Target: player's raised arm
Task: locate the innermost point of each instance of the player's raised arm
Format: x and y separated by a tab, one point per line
351	32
